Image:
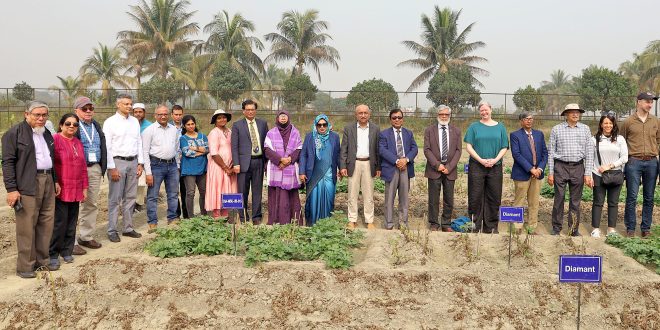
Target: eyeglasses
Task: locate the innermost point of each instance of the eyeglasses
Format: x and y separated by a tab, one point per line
396	117
528	119
70	123
39	115
87	109
322	125
161	115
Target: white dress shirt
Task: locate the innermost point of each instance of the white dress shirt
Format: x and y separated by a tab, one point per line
159	141
362	141
122	138
440	138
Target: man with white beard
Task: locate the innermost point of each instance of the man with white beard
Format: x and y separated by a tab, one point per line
442	148
27	168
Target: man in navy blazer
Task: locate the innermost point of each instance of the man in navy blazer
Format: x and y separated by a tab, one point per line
248	157
397	149
530	156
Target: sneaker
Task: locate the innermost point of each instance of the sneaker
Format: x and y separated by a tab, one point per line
68	259
53	264
595	233
132	233
611	233
173	222
114	238
152	228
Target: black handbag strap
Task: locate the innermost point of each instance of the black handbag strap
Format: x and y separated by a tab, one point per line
600	162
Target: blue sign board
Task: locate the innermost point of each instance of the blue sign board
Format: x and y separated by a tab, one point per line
232	201
580	268
512	214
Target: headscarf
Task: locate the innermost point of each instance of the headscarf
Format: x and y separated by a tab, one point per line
285	129
320	139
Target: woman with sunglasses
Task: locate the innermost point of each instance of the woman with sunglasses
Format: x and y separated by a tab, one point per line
71	171
319	167
611	155
282	148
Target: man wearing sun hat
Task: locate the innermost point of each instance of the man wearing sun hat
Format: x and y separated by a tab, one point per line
570	160
91	135
642	134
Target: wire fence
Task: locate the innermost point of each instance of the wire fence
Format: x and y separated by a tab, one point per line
305	105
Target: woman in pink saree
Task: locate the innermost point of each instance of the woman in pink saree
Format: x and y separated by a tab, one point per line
220	178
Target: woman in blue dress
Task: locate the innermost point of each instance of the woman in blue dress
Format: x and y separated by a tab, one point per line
319	161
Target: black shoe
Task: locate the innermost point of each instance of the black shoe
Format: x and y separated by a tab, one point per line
555	232
114	238
576	234
26	274
138	208
132	233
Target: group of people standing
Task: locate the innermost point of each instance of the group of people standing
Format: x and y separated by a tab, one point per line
53	181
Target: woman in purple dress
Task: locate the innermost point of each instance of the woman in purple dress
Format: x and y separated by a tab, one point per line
282	148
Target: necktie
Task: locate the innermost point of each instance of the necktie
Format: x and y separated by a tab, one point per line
445	147
253	137
531	144
399	144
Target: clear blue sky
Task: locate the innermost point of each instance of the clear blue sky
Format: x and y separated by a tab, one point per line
525	40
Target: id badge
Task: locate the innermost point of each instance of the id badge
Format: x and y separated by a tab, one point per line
92	157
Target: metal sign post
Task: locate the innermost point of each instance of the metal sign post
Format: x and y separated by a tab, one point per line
511	215
580	269
233	202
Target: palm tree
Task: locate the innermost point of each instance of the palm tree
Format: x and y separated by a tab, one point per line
442	47
300	39
104	66
650	59
163	31
195	72
230	41
71	87
273	81
559	82
559	90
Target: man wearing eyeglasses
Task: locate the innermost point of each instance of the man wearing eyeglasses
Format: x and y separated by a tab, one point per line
642	134
442	148
397	149
177	115
530	156
93	141
27	170
125	164
159	142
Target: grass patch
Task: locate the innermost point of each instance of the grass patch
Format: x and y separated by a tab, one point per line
645	251
328	240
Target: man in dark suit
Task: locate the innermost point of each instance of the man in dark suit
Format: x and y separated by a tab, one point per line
360	163
397	150
530	156
247	152
442	148
27	169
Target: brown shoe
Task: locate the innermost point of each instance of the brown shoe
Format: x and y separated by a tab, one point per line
78	251
92	244
173	222
646	234
371	226
447	230
152	228
351	225
630	233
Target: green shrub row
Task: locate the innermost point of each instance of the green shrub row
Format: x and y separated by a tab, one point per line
645	251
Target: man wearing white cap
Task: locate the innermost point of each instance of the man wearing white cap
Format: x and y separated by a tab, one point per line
93	141
139	112
570	160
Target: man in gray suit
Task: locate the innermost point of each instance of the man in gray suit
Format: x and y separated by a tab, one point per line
442	148
247	152
360	163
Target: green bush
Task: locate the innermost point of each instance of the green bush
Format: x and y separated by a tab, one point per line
645	251
328	240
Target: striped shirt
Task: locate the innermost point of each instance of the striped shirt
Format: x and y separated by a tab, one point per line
571	144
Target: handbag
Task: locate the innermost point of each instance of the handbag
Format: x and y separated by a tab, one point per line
609	177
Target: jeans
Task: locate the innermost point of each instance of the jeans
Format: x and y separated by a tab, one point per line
645	171
170	174
600	191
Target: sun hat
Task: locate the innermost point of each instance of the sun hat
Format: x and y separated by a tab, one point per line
220	112
572	106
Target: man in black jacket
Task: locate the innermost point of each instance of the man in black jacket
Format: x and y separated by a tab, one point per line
27	168
91	135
